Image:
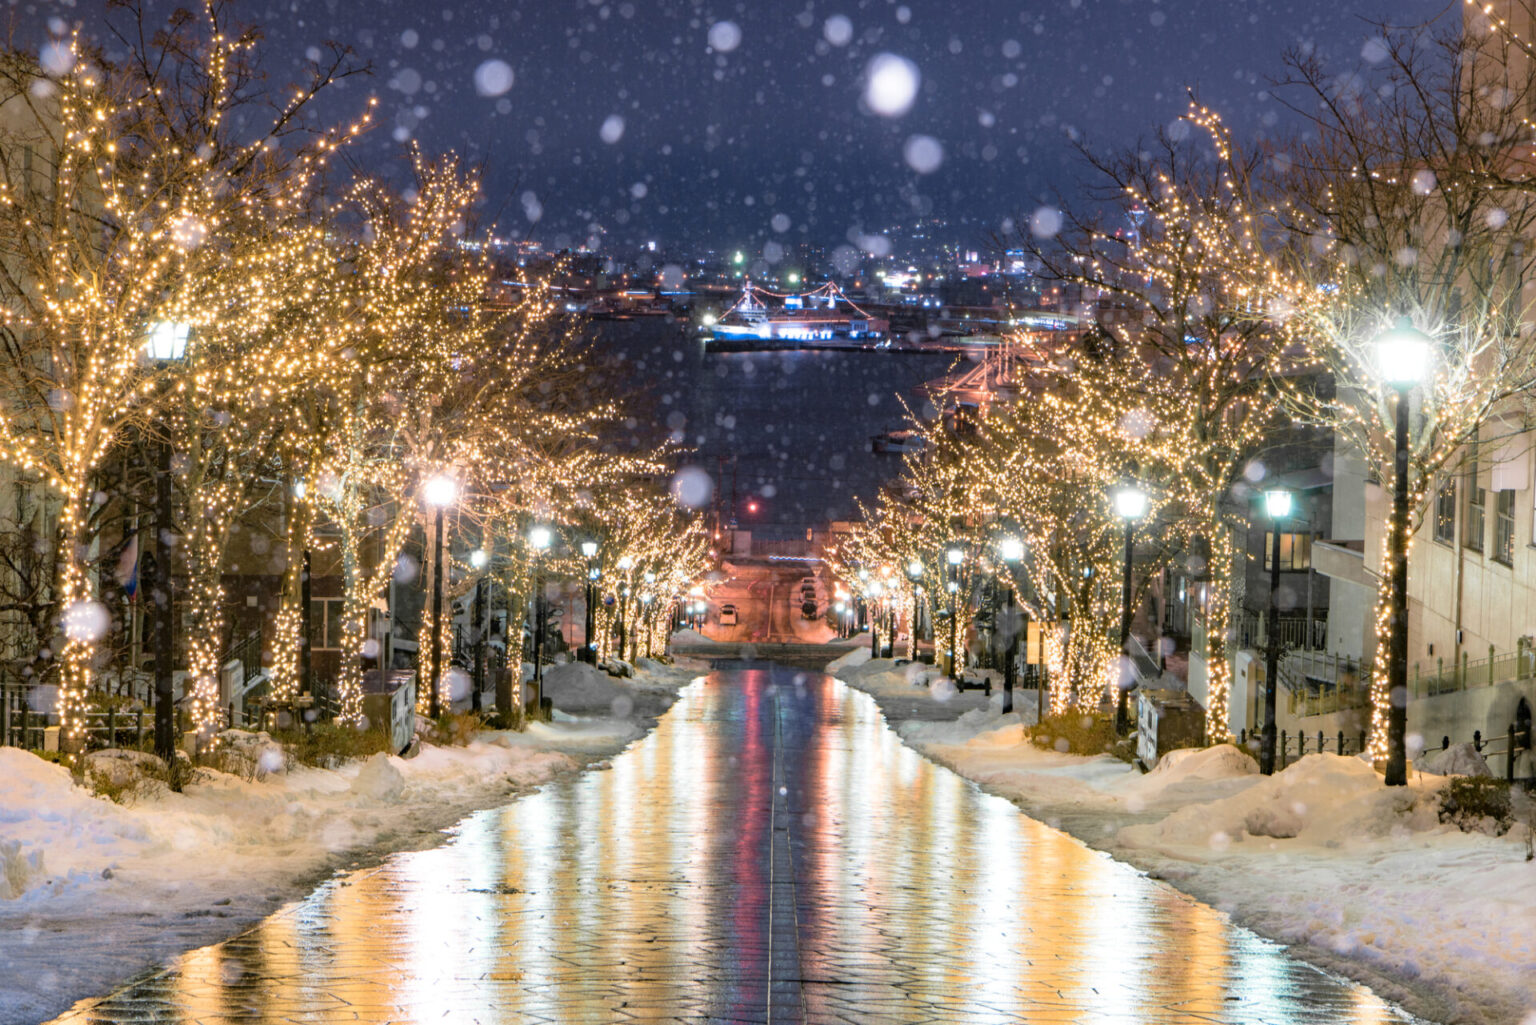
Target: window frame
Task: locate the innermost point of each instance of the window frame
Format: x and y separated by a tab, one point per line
1295	550
1445	512
1504	527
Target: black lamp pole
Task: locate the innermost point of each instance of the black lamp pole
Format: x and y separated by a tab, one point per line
1271	655
479	628
437	615
1397	645
589	650
1122	717
160	590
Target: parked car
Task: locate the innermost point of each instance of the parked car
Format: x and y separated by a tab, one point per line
727	615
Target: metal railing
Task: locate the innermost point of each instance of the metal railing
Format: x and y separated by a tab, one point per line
1428	682
1321	683
1297	633
1289	748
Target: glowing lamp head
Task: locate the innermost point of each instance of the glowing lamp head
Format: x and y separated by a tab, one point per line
167	340
915	570
440	491
300	489
626	563
588	549
1402	354
539	538
1277	502
1011	549
1131	503
955	555
478	558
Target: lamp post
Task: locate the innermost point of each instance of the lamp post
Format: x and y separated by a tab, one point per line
646	624
1402	356
1012	550
953	556
478	559
1277	502
626	563
589	644
440	492
539	538
872	599
166	343
1131	505
914	574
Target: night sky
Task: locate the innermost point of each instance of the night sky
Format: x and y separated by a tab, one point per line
730	123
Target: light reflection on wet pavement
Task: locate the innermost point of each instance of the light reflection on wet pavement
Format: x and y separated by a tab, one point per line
771	853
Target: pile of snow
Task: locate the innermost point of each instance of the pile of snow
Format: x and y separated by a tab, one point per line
378	780
1456	760
577	687
856	657
1323	799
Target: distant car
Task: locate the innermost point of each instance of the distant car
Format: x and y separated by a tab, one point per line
727	615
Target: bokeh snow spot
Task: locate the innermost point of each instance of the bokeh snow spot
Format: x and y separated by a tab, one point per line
493	77
891	85
724	36
612	130
923	153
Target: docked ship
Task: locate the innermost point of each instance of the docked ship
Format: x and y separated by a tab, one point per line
823	318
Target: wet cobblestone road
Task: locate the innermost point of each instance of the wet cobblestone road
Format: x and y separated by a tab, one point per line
772	853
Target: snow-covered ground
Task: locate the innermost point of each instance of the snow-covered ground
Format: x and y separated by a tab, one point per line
92	892
1357	876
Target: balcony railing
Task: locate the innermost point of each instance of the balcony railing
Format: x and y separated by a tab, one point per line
1299	633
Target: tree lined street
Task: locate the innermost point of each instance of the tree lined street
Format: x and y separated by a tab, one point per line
771	853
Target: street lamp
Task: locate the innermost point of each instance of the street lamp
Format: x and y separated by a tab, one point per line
871	600
166	342
1402	359
1012	551
478	560
440	492
539	538
954	556
914	574
625	564
1277	502
1131	505
589	644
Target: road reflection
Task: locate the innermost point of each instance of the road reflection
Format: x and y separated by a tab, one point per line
673	885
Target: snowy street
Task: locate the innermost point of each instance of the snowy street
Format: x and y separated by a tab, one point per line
771	852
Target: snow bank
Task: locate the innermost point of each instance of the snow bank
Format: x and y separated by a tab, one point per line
1456	760
1327	800
578	687
379	781
855	657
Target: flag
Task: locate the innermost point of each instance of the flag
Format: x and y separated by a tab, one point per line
128	567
